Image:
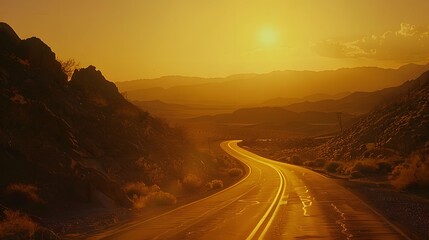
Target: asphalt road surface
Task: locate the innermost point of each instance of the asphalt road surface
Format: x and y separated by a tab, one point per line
273	201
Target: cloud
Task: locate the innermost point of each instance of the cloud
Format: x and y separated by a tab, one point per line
409	43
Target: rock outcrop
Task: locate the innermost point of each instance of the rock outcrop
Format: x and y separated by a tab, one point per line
75	138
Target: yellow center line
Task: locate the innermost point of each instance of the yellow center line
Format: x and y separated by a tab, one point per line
276	201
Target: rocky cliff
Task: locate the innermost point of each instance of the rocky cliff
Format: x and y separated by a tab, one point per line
77	140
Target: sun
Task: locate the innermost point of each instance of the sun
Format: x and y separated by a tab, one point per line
268	36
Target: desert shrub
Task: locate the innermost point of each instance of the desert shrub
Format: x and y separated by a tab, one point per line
17	226
385	167
136	189
160	198
143	196
235	172
414	173
21	193
225	162
215	184
191	182
379	153
332	167
356	174
318	163
295	159
370	167
155	188
366	168
139	202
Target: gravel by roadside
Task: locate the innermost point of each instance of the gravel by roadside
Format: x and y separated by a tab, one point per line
407	211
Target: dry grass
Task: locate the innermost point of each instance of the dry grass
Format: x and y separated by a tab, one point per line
296	160
370	167
318	163
332	167
235	172
160	199
16	225
366	167
215	184
192	183
136	190
144	196
21	192
414	173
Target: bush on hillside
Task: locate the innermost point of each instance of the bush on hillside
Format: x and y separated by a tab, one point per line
16	225
235	172
318	163
414	173
192	183
160	198
296	160
136	189
332	167
215	184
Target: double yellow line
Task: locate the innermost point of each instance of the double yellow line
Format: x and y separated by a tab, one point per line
275	205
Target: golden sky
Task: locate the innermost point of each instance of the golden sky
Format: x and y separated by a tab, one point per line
131	39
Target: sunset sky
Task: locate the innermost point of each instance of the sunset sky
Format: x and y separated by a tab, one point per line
134	39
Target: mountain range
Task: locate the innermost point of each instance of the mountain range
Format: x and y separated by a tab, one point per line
357	103
255	89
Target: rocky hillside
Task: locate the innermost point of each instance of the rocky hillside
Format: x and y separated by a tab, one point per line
357	103
400	127
78	140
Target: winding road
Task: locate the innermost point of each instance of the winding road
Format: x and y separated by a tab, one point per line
273	201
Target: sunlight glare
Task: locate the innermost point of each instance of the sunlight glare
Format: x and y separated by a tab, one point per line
268	36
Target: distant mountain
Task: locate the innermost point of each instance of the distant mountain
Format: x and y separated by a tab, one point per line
172	81
158	105
174	112
311	98
356	103
401	126
78	141
255	89
277	118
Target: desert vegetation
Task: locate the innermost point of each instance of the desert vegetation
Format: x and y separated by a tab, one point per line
15	225
332	167
376	164
159	198
215	184
413	173
143	196
23	193
192	183
235	172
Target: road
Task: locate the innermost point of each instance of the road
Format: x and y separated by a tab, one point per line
273	201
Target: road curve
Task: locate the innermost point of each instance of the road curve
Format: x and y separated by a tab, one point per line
273	201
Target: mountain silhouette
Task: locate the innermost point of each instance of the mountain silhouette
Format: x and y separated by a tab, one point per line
255	89
80	141
357	103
